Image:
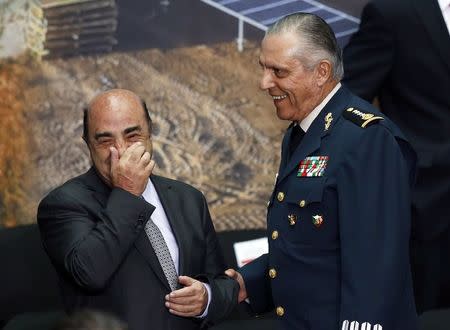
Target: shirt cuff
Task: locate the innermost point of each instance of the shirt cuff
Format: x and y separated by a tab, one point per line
208	289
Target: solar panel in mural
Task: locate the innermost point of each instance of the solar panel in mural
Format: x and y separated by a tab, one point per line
266	12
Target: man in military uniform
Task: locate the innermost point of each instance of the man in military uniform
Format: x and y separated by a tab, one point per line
339	218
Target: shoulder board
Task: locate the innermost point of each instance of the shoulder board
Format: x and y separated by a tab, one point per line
362	119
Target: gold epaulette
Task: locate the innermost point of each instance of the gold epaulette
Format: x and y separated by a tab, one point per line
362	119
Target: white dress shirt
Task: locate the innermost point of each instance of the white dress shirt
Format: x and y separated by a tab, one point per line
159	217
445	8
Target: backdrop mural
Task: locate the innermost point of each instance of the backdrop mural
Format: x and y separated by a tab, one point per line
213	127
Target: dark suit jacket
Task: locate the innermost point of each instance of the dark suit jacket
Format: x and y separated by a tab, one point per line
96	240
339	224
401	54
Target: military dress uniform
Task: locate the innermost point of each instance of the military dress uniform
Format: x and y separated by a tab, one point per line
339	225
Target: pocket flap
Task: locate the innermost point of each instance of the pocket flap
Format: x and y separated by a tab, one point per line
303	192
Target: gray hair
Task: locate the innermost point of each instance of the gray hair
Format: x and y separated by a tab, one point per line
316	39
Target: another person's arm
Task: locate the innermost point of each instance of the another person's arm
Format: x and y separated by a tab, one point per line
369	56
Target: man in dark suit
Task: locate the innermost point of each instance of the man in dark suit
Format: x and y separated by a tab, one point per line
339	217
401	54
118	239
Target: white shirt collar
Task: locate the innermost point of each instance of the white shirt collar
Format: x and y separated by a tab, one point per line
307	121
149	193
443	4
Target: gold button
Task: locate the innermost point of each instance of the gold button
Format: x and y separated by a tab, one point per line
302	203
272	273
292	219
275	234
280	196
280	311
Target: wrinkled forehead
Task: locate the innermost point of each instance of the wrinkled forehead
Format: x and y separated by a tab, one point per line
116	111
279	48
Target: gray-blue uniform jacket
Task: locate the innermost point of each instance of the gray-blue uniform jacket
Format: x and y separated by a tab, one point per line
338	225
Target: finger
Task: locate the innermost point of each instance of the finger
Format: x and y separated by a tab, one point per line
191	300
183	308
191	287
145	159
183	292
128	153
114	158
186	280
149	168
231	273
137	152
191	314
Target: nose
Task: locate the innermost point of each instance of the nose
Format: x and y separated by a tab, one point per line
121	146
266	81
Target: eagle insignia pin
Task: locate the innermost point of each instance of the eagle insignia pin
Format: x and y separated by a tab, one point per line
328	120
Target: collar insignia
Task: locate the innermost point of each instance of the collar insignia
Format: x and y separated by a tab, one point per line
328	120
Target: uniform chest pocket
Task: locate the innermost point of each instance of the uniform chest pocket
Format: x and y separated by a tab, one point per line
310	218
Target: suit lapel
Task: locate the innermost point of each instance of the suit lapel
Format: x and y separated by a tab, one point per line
101	192
170	203
145	248
430	15
313	137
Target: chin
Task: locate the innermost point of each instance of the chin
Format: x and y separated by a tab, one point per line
284	114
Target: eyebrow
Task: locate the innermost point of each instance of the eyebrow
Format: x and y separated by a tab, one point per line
125	131
132	129
102	134
274	66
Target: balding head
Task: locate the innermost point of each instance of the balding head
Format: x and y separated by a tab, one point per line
113	100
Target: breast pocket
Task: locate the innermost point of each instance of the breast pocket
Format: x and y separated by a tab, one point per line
311	221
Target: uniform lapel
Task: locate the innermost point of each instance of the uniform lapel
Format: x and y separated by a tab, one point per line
285	148
430	15
170	203
313	137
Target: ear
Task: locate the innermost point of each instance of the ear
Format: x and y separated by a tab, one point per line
323	72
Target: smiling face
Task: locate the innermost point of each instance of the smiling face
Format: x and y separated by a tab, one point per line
116	119
295	89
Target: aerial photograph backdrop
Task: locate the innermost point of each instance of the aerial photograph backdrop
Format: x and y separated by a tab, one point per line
194	62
